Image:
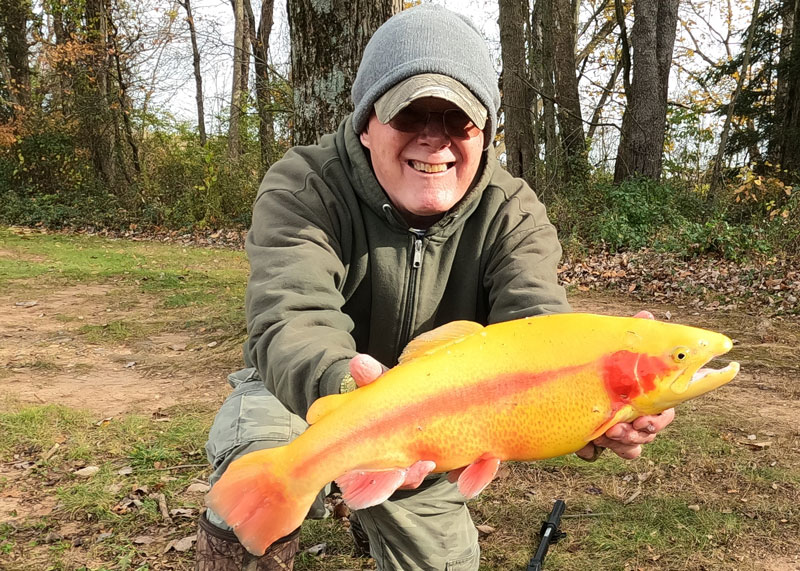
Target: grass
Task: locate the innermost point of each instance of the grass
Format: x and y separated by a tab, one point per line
178	277
123	502
699	498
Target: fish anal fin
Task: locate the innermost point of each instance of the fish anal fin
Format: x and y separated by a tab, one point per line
475	477
365	488
453	475
435	339
624	414
417	472
324	405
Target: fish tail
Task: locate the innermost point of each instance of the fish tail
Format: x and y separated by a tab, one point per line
260	500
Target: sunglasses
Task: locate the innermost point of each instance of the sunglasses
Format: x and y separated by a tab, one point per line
456	123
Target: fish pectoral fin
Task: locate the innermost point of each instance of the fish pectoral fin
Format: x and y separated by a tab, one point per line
324	405
624	414
435	339
475	477
365	488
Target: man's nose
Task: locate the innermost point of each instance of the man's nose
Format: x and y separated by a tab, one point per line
434	128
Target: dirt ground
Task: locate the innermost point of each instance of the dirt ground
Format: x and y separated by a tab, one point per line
45	359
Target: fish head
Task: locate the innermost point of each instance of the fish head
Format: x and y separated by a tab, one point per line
664	364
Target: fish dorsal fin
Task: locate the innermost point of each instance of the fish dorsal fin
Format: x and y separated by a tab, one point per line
324	405
435	339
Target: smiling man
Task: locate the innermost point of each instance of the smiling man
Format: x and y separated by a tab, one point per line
399	222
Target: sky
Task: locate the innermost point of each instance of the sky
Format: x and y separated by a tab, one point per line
176	87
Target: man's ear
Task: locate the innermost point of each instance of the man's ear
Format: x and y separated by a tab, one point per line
364	136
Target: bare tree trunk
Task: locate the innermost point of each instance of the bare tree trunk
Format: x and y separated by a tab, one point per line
124	106
552	146
328	39
716	173
97	122
259	39
570	120
234	127
198	77
14	16
789	156
534	55
598	111
520	148
644	122
782	87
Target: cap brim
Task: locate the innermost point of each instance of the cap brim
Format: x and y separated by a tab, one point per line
429	85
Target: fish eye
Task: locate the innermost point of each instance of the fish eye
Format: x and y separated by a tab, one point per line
680	354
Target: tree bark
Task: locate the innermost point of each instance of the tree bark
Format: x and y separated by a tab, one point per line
96	117
237	95
259	40
198	76
328	39
552	146
644	122
570	120
787	148
14	17
517	96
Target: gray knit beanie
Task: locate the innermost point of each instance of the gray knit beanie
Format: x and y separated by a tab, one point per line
426	39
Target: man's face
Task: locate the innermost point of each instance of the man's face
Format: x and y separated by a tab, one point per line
425	173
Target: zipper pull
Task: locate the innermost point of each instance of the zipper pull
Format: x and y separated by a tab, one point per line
417	261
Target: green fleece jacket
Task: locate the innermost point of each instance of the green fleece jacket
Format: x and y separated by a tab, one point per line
335	270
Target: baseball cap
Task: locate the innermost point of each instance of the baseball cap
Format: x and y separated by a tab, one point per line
429	85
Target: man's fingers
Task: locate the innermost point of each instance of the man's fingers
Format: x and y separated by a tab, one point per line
644	314
365	369
654	423
587	452
627	452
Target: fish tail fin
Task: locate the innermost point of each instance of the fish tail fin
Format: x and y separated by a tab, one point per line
260	500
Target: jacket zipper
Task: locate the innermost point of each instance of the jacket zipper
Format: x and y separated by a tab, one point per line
416	264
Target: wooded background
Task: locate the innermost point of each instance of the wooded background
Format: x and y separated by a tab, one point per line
671	124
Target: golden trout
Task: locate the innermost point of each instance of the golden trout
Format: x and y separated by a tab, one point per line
464	395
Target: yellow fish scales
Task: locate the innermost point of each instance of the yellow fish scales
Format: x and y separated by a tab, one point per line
464	398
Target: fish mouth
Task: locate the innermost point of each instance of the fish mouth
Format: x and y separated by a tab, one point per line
704	380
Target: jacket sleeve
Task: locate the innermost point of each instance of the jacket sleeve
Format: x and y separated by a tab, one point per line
298	337
523	254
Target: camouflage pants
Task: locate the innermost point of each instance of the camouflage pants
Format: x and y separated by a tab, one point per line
425	529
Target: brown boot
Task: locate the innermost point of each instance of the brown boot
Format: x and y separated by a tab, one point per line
219	550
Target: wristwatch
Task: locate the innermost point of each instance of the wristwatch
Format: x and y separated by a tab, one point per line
348	384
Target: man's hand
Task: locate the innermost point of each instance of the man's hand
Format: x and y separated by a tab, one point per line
626	438
365	369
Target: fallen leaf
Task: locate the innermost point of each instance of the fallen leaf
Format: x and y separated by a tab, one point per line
318	549
181	545
485	529
127	470
198	488
87	472
144	539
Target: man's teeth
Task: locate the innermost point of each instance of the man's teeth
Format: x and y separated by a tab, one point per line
425	167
